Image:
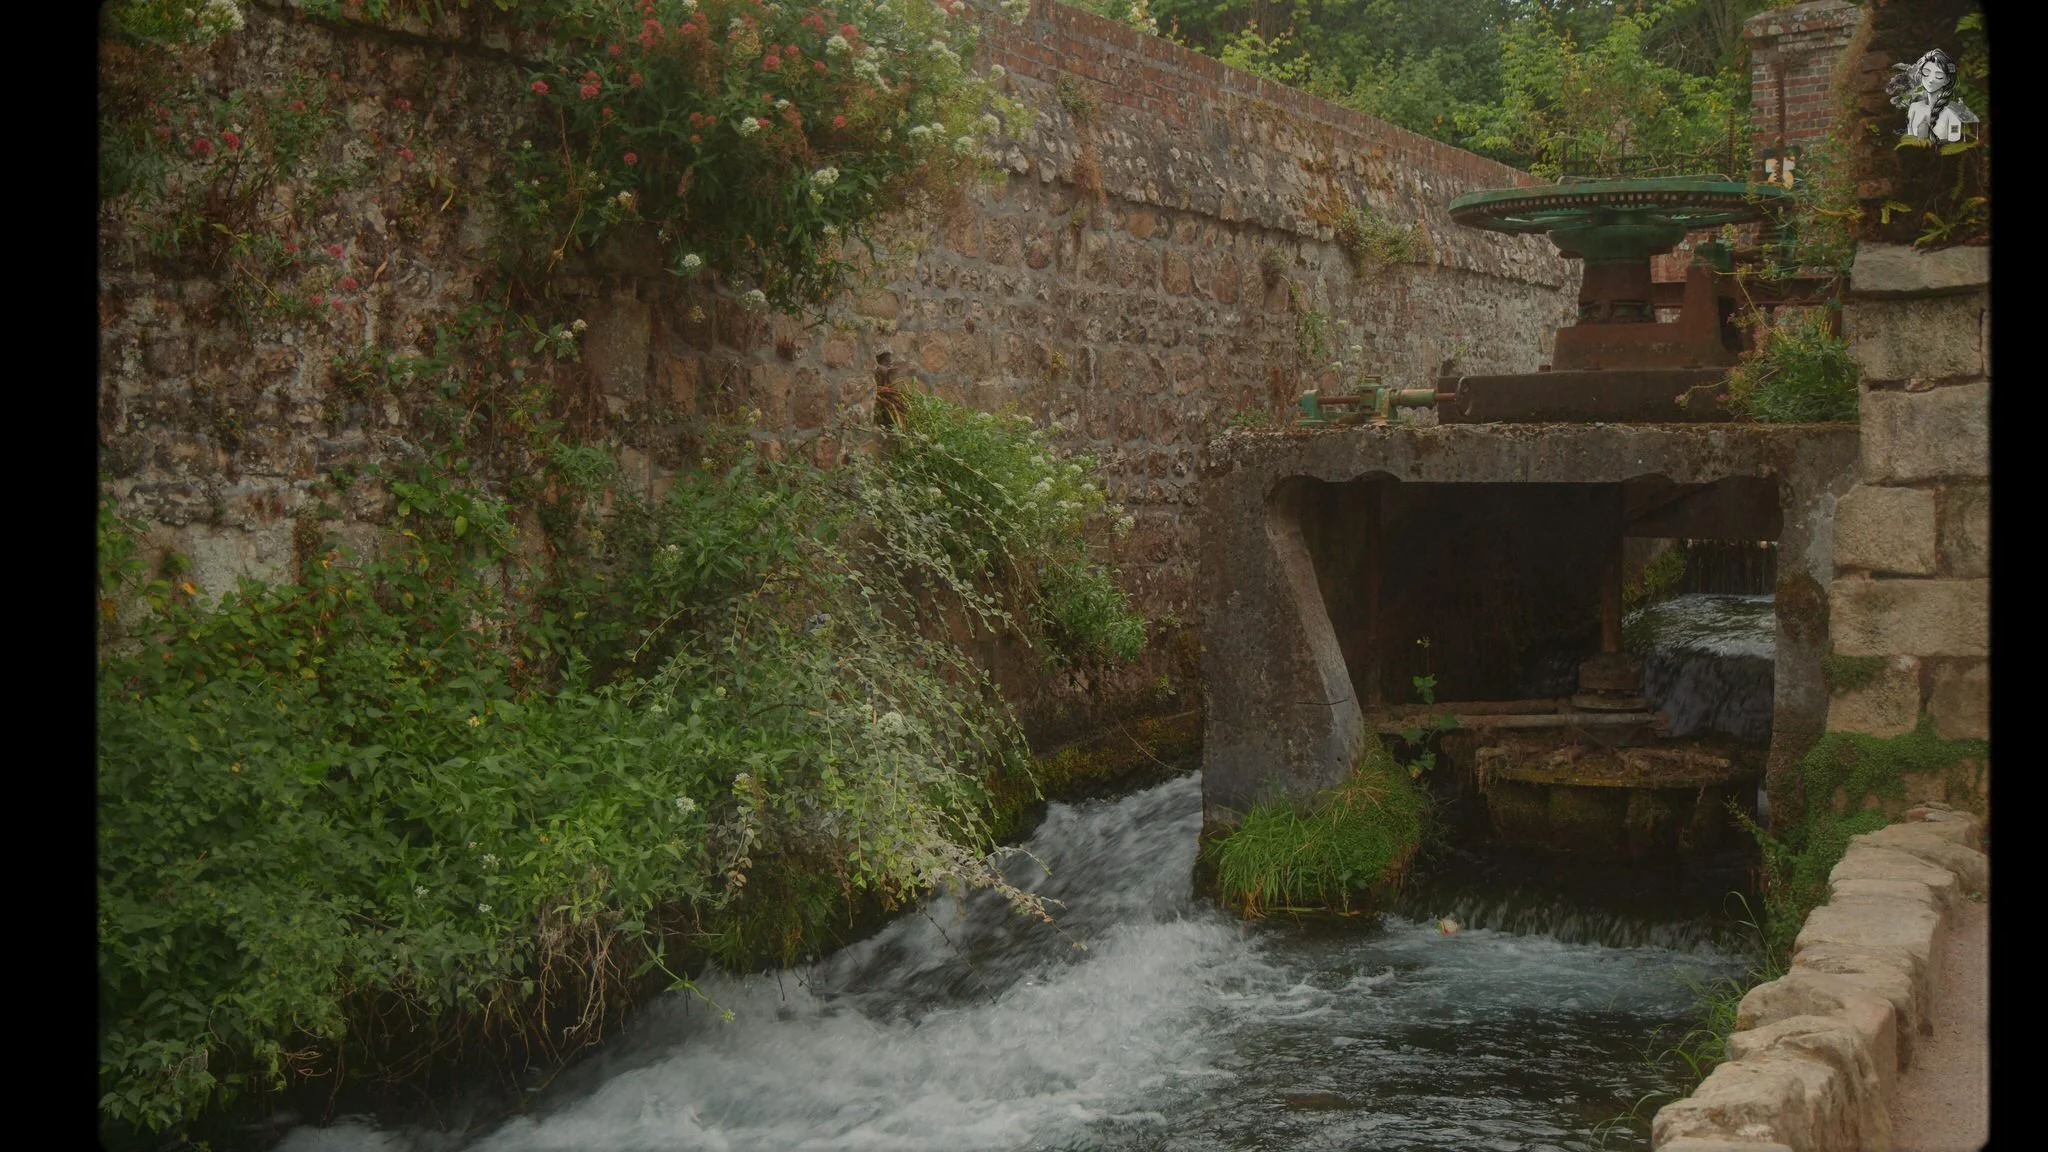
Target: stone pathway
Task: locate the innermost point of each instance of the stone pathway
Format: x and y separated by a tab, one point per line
1943	1103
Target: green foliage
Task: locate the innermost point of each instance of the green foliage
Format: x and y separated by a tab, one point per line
1371	241
1354	840
405	780
755	142
1662	578
173	23
1843	781
1848	673
1133	14
1800	372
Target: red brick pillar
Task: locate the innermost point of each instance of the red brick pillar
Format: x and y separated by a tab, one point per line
1792	57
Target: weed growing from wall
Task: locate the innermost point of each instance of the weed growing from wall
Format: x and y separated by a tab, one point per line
1800	372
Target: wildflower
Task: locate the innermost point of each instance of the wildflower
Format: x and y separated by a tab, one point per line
528	145
402	104
997	72
338	304
335	251
476	721
578	326
349	284
298	105
163	131
849	31
588	91
405	154
964	145
625	200
221	15
691	263
696	314
818	66
419	892
614	50
490	860
839	122
755	299
838	46
824	177
633	81
719	692
540	87
690	5
484	909
892	723
631	158
770	63
694	139
316	301
231	140
782	105
748	126
919	134
685	805
202	147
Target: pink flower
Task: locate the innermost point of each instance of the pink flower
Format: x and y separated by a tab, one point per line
405	154
770	63
633	80
688	29
849	31
316	301
696	139
606	112
839	122
817	65
338	304
291	245
762	121
631	158
335	251
402	104
614	50
233	141
201	146
163	131
588	91
591	76
349	284
540	87
298	105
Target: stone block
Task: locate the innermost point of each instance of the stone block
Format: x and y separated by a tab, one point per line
1849	1052
1870	617
1175	276
1777	1097
1901	268
1721	1144
1931	435
1963	538
1888	530
1917	338
1869	865
1938	844
1889	705
615	348
1960	701
880	304
1802	993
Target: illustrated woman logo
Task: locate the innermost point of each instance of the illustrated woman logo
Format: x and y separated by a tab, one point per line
1926	90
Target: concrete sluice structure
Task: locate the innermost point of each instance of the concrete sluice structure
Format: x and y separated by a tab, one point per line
1341	563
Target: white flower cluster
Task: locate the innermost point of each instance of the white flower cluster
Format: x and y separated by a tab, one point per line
824	177
920	134
691	263
965	145
837	46
943	51
990	124
997	72
220	17
866	69
689	6
892	724
747	126
1016	10
685	805
782	105
755	299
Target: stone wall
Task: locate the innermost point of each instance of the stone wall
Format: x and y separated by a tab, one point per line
1115	284
1913	539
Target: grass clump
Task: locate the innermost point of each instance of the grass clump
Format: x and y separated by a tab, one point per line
1371	241
1848	673
1350	842
1800	372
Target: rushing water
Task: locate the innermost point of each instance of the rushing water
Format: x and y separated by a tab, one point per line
1149	1021
1708	661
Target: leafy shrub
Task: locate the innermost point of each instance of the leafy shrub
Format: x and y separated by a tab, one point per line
414	787
1799	372
1356	838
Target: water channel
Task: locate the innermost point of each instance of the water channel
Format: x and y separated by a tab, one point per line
1151	1020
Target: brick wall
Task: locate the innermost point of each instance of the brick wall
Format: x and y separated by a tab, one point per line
1109	285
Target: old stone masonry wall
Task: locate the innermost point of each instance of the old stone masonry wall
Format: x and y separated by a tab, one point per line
1159	259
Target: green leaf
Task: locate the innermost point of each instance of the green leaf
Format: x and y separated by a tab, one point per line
461	525
1959	147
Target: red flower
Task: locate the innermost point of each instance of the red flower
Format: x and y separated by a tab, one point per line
588	91
335	251
316	301
762	121
339	304
540	87
202	147
590	77
631	158
348	284
406	154
163	131
849	31
817	65
231	140
607	111
633	80
402	104
770	63
614	49
696	139
791	50
839	121
291	245
688	29
298	105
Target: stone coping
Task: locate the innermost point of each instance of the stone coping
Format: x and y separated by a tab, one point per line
1817	1053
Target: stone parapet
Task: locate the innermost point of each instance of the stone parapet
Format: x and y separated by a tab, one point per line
1817	1054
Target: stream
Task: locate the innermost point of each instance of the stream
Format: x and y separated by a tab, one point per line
1151	1020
